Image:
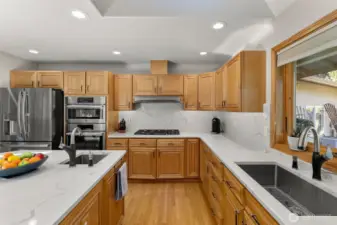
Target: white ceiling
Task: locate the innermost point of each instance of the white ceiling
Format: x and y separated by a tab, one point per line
141	30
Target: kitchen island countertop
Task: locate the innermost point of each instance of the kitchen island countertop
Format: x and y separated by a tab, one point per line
47	195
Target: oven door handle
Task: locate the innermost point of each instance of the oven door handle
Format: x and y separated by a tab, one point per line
86	134
85	106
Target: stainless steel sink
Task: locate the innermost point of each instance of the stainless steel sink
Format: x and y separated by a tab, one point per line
84	159
298	195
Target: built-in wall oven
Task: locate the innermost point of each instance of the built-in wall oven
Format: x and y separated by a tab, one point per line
85	109
87	113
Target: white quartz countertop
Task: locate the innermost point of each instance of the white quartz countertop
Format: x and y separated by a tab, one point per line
231	153
47	195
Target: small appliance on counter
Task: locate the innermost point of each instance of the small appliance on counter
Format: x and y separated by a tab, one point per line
122	126
216	125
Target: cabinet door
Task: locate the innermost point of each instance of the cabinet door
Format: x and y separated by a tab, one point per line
23	79
123	92
50	79
206	93
144	85
233	210
191	92
248	220
192	158
170	85
170	163
74	83
97	82
142	163
219	88
233	88
92	216
202	162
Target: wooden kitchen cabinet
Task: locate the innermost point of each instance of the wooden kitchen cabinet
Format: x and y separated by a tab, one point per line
247	220
170	163
206	91
191	92
97	82
192	158
123	92
245	85
144	85
171	85
22	79
74	83
220	85
142	163
233	210
50	79
89	210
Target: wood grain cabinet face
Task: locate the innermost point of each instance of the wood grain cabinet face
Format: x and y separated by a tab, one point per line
50	79
206	93
170	85
233	210
142	163
23	79
233	88
170	163
123	92
220	86
190	92
74	83
144	85
192	158
97	82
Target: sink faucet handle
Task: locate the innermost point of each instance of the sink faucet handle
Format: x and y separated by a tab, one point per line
61	145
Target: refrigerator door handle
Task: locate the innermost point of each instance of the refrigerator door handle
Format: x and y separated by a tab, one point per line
24	102
19	113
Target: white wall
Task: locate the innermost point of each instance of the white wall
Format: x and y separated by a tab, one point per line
129	68
8	63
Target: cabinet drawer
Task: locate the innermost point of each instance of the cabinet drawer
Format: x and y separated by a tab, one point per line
117	142
234	185
170	142
216	208
256	211
143	142
217	192
218	167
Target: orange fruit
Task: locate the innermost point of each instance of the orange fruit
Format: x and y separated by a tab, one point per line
8	165
16	161
6	155
34	159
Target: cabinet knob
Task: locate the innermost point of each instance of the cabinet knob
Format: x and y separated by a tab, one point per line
87	87
81	87
38	83
85	223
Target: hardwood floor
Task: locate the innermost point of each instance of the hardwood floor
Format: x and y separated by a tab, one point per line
166	204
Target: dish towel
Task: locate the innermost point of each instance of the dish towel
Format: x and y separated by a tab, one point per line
122	182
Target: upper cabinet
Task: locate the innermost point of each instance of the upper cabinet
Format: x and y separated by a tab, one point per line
144	85
123	92
220	84
97	82
245	85
74	83
191	92
170	85
206	93
50	79
86	83
36	79
159	67
23	79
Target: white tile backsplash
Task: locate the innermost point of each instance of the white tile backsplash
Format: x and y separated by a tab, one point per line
247	129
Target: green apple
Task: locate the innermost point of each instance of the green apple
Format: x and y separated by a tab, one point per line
23	163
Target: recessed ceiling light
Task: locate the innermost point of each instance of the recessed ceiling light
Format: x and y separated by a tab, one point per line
78	14
203	53
218	25
33	51
116	52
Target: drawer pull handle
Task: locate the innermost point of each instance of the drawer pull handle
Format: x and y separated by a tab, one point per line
229	184
142	143
213	214
236	217
153	154
214	196
255	219
118	143
170	144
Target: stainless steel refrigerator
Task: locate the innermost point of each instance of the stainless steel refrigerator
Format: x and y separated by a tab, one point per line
31	118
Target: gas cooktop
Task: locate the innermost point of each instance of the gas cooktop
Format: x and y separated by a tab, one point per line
157	132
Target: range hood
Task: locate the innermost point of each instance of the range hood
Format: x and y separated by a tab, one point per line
154	99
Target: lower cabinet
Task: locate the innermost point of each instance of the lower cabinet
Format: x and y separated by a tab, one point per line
142	163
99	207
170	163
233	210
192	158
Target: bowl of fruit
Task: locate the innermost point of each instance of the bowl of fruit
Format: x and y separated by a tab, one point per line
12	165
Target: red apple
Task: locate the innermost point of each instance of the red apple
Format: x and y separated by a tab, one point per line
40	155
